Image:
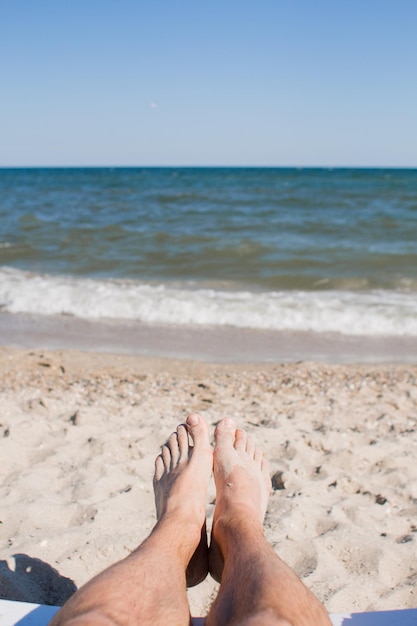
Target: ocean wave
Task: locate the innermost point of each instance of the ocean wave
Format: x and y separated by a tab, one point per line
378	312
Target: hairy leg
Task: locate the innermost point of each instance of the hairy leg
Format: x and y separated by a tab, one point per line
149	586
257	587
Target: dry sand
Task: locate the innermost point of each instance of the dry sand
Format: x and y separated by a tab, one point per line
78	437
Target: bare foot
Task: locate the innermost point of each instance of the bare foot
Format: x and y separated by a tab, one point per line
182	473
243	486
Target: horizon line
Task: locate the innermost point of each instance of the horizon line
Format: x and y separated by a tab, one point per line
293	167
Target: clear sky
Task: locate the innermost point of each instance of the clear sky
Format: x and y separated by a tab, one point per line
215	82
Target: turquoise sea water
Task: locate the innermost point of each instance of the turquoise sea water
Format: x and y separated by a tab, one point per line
305	249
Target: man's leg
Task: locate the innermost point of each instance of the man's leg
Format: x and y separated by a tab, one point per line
149	586
257	588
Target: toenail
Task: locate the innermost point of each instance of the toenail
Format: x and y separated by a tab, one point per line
228	422
192	420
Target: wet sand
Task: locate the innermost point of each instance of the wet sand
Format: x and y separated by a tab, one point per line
79	432
218	344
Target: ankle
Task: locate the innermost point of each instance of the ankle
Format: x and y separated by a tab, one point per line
239	514
184	511
242	528
181	529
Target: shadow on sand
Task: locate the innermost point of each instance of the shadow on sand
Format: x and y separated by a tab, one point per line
26	579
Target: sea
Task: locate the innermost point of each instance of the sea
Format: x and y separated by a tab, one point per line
315	251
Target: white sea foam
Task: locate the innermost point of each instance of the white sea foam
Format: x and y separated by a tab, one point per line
348	312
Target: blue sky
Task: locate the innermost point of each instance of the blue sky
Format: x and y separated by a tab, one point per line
175	82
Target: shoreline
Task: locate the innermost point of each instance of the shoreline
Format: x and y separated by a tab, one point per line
221	344
80	431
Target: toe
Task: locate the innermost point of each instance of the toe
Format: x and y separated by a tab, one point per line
225	432
258	455
183	443
198	430
266	473
173	446
240	440
166	457
250	448
159	468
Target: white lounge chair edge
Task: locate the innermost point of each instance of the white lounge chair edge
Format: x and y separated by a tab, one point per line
27	614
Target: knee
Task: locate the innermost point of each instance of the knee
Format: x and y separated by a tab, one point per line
267	617
90	618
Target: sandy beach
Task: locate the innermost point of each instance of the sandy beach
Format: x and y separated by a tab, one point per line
79	433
